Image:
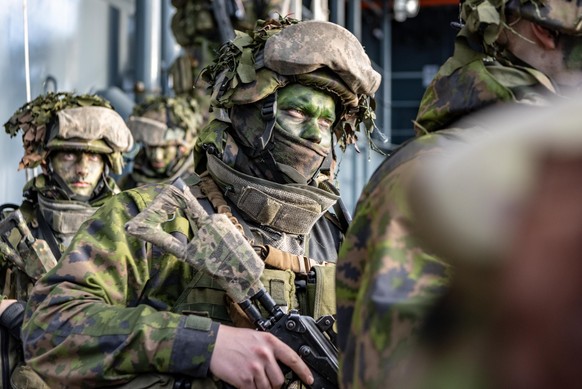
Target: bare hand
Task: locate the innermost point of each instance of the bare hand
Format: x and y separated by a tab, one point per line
5	304
248	359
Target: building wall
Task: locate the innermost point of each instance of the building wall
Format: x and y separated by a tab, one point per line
68	40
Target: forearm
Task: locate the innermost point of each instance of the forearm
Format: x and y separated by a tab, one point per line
116	343
11	315
85	323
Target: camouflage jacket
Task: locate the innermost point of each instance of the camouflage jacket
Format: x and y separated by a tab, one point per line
31	211
387	278
110	303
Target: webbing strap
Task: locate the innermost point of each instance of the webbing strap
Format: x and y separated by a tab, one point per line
48	235
286	261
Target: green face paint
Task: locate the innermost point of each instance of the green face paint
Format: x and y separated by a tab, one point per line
160	157
307	113
80	170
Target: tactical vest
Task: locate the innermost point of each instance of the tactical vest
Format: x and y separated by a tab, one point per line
294	281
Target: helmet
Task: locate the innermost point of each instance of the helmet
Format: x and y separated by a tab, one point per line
319	54
558	15
487	18
166	121
65	121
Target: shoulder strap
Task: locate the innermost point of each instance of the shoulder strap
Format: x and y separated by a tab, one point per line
341	212
5	209
214	195
48	235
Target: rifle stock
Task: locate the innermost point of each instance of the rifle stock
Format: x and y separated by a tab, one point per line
30	255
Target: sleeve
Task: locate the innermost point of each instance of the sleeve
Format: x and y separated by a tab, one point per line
385	283
11	317
83	326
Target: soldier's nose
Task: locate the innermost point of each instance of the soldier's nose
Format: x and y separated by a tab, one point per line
312	133
158	154
82	168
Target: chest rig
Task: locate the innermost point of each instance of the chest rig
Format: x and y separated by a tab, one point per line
293	279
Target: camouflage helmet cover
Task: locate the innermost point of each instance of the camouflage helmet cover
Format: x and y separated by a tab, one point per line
94	129
487	18
57	121
165	121
564	16
315	53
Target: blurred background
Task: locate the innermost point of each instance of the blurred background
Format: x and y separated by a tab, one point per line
122	49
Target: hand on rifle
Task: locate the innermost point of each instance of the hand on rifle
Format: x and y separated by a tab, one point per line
249	359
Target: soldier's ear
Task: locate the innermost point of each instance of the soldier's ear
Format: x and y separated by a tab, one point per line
547	39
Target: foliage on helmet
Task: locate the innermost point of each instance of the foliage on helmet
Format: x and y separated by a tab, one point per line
235	63
484	17
36	117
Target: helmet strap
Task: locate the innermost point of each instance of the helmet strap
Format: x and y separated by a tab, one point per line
269	115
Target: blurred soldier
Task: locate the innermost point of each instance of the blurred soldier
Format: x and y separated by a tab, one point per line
134	314
200	27
508	51
166	129
77	140
510	316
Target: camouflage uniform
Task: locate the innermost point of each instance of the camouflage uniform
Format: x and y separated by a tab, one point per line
51	210
128	313
163	122
388	275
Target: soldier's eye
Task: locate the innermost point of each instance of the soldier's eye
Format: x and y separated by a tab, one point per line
325	123
94	157
295	113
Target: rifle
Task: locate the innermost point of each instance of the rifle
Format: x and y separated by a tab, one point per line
237	269
30	255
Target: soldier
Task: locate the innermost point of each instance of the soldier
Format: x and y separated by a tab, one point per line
77	140
200	27
166	128
388	274
129	313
